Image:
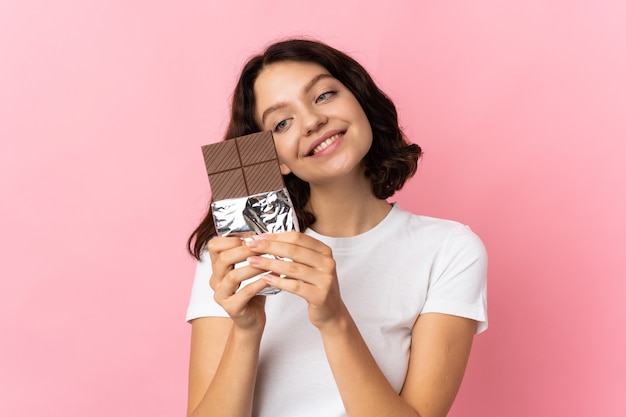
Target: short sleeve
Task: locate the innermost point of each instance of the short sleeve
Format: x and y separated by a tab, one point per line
458	282
202	303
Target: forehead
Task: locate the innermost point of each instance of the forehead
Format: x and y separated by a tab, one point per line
280	80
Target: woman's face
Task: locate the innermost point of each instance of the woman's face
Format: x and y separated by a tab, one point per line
320	129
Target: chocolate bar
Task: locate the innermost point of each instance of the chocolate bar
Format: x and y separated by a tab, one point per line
249	195
243	166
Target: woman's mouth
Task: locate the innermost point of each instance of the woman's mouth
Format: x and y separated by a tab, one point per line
319	148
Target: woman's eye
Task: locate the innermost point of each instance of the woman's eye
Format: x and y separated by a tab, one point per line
324	96
280	125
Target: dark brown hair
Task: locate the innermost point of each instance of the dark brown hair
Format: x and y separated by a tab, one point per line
390	161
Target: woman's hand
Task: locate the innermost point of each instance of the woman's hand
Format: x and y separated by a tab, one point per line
310	273
244	306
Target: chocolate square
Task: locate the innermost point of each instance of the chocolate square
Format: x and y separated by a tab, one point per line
243	166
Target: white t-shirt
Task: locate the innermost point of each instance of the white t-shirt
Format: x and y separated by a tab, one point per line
405	266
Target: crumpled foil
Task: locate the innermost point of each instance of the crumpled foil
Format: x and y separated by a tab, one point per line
270	212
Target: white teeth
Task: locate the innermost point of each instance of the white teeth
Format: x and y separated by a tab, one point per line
326	143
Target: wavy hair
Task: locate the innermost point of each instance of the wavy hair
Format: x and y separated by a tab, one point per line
389	163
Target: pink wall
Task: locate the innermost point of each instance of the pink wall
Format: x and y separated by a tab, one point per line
519	106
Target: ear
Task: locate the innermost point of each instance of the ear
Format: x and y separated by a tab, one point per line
284	169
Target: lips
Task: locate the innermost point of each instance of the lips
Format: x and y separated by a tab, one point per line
325	142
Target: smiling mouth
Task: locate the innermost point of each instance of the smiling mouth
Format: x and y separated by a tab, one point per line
319	148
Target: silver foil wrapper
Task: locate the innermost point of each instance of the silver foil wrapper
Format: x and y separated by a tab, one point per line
243	217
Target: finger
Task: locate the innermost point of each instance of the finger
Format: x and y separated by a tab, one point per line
219	244
252	289
282	267
297	253
298	287
295	238
236	304
292	271
227	284
225	260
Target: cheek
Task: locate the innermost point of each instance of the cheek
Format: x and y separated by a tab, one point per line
286	144
358	114
367	132
285	156
281	149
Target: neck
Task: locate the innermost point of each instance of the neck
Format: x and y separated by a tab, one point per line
346	208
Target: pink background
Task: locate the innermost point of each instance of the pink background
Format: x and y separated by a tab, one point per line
519	106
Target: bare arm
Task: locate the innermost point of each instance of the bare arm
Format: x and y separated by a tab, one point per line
440	349
225	351
208	340
222	368
439	353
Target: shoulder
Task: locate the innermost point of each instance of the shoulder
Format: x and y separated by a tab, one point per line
437	233
456	261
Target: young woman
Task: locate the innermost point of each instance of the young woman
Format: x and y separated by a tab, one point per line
379	308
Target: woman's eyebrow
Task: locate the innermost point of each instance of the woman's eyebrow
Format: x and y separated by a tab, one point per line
306	89
314	80
271	109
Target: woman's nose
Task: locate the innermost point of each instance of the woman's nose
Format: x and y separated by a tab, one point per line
312	120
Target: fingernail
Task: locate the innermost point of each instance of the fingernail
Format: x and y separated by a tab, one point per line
251	243
253	260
